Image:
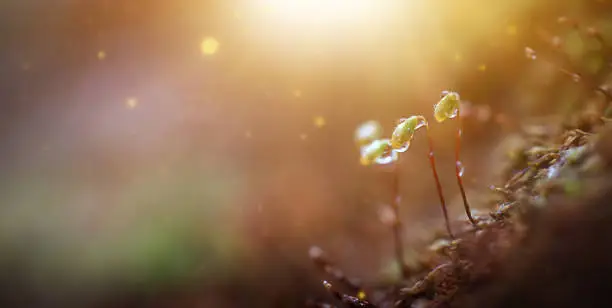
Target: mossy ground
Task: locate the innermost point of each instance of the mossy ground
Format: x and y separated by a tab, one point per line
543	242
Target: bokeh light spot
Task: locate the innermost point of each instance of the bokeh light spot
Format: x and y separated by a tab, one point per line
209	46
361	295
131	102
101	55
319	121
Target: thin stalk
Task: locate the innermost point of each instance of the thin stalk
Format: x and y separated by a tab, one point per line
458	171
432	162
398	241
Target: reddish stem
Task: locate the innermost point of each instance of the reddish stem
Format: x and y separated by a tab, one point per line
458	172
432	162
397	225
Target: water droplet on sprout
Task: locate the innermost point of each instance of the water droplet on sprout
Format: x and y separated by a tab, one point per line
421	122
387	158
403	147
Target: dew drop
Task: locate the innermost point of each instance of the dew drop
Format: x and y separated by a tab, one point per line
421	122
387	158
460	169
404	147
452	113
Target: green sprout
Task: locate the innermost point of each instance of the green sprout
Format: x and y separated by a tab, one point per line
400	141
448	108
378	152
375	151
404	132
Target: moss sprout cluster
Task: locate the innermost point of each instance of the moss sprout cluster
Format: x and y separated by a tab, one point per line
380	151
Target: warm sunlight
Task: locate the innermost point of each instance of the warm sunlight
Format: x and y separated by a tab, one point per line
324	12
307	32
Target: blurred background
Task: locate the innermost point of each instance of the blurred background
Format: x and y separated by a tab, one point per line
188	153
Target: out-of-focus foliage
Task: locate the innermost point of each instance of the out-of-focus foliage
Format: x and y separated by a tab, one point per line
157	228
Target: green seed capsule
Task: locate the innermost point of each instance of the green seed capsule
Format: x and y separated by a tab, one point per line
447	107
367	132
404	132
378	152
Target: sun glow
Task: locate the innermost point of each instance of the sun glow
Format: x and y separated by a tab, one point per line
326	12
320	11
